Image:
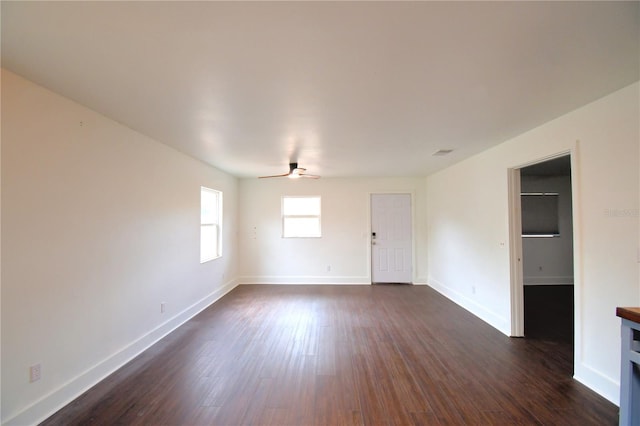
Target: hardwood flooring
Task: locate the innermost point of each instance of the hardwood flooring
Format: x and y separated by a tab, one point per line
548	318
340	355
549	312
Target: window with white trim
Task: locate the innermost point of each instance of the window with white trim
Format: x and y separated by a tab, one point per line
301	217
210	224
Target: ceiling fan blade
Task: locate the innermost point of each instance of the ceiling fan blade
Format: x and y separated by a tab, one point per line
294	172
274	176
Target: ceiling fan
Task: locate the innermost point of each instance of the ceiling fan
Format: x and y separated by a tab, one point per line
295	172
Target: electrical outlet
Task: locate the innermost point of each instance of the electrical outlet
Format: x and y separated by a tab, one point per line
328	268
35	373
473	289
163	307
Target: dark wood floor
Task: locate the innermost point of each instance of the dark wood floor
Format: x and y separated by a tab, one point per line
548	317
340	355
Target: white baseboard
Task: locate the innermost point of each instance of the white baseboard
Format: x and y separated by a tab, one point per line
305	279
421	281
54	401
596	381
309	280
501	324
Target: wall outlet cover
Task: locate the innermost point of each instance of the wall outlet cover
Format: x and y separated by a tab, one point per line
35	373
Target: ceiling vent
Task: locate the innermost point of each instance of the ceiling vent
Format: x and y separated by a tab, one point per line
441	152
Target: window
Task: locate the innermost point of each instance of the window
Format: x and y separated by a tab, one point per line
210	224
300	217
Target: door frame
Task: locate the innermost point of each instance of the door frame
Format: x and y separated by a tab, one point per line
369	251
515	247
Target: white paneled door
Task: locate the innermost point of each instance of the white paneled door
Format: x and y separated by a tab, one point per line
391	257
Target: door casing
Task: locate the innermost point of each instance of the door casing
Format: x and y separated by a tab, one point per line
515	248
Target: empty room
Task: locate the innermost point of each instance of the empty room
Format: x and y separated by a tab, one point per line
319	213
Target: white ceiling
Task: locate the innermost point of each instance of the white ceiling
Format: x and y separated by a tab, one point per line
344	88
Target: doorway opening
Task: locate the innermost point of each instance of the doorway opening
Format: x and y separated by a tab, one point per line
546	258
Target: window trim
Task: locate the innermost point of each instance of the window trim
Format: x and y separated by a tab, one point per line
217	226
306	216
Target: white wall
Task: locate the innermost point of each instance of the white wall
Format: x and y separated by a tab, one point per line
100	225
345	243
469	232
549	261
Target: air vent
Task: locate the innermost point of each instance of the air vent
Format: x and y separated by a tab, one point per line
441	152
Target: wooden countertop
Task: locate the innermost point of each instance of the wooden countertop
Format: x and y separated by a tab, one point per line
631	314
